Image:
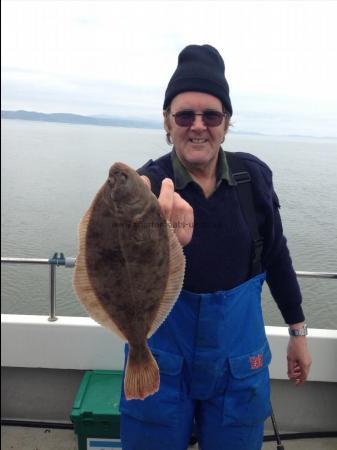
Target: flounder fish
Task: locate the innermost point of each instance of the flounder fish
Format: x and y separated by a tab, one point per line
129	270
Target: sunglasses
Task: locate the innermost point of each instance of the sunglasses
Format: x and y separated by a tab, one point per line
210	118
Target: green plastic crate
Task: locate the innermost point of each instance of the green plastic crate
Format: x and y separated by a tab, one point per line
95	412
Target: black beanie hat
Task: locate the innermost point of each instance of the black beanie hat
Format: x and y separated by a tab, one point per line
202	69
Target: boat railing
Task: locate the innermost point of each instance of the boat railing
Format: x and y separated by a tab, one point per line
59	260
56	261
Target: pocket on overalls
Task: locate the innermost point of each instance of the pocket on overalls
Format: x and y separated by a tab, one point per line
247	397
163	406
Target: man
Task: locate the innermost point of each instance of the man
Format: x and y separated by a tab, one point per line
212	349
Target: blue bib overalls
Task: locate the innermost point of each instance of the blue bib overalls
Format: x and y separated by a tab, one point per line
213	357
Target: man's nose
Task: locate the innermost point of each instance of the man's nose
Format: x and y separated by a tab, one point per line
198	123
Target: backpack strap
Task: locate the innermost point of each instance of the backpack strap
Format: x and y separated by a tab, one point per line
243	181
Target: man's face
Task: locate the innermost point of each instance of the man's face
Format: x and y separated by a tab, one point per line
196	146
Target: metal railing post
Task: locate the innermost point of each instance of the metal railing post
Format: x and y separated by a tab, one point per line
55	261
52	291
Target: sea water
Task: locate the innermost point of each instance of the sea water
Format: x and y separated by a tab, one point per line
51	172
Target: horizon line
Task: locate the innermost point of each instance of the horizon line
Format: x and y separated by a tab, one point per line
127	122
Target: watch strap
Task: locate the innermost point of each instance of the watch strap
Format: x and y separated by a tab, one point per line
303	331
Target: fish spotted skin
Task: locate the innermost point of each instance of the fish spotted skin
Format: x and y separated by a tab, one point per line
129	270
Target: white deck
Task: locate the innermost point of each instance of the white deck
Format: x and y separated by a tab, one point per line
12	438
33	341
42	359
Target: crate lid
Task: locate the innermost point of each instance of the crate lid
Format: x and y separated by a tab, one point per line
98	396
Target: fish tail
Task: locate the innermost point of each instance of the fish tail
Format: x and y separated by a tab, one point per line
141	374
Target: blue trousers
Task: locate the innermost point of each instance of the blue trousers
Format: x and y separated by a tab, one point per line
213	357
212	434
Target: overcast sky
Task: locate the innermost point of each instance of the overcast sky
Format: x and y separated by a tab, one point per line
111	57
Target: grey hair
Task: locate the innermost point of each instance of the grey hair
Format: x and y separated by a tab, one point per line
166	114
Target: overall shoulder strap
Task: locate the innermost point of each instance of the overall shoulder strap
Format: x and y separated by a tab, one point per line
242	181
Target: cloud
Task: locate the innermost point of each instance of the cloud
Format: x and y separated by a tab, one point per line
34	90
117	57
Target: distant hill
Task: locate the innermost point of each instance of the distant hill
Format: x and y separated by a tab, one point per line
121	122
78	119
87	120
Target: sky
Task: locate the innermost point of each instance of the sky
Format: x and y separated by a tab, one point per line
116	58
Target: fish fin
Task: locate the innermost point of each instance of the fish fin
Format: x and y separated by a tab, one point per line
82	284
141	374
174	282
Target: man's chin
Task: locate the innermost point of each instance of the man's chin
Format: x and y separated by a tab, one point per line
196	163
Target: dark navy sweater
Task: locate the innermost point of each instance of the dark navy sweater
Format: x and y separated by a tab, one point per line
219	254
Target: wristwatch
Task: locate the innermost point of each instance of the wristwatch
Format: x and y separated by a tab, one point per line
303	331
